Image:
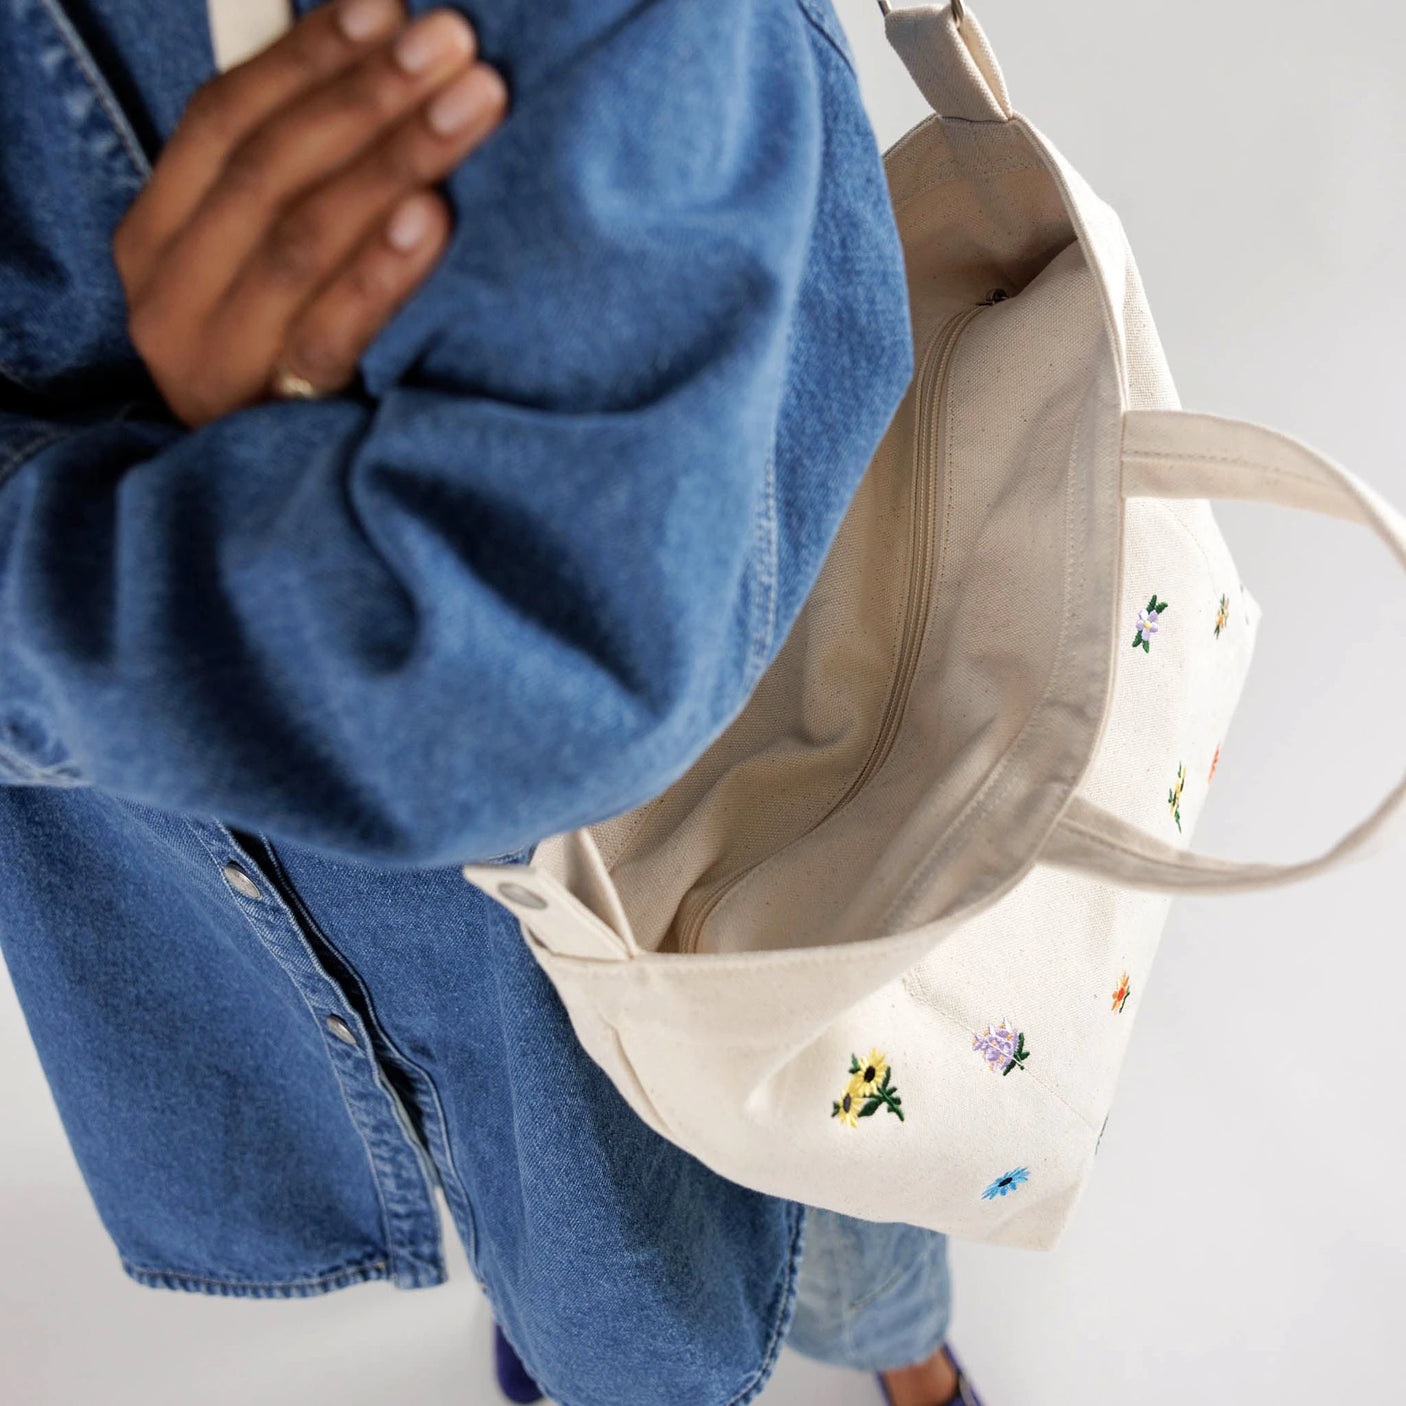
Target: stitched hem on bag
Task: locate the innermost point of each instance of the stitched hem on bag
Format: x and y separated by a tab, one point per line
256	1289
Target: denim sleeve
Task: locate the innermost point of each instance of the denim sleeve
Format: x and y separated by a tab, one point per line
516	584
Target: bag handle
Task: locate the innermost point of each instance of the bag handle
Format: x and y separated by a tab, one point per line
1175	454
944	49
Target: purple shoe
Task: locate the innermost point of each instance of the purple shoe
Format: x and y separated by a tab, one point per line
514	1381
966	1392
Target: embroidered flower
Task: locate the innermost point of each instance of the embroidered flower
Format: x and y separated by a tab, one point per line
870	1088
1174	795
1147	623
1120	996
1009	1182
846	1108
1214	762
1002	1048
867	1075
1222	615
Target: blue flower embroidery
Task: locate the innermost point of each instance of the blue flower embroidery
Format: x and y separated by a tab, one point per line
1001	1185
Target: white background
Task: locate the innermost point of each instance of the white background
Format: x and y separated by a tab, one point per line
1244	1238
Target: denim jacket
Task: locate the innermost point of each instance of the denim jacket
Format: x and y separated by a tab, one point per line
265	684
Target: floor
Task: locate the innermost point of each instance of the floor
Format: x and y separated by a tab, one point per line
1244	1240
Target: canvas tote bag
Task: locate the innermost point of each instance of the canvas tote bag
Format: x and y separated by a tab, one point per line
881	947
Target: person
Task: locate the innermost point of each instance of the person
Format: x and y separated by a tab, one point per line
416	441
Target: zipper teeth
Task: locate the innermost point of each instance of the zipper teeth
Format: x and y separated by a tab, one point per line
915	627
932	397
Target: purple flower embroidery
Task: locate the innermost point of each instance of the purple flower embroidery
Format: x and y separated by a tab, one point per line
1147	619
1002	1048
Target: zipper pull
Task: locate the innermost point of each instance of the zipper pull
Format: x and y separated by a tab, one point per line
996	295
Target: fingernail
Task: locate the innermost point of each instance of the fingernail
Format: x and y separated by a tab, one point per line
408	225
463	100
442	35
360	19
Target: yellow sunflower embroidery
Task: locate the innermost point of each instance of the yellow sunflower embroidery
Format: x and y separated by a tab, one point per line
847	1106
869	1075
869	1089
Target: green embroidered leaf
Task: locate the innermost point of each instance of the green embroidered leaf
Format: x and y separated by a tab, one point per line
854	1064
871	1107
888	1074
1137	639
1152	604
1146	647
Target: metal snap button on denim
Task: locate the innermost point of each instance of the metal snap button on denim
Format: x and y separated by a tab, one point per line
239	881
341	1029
515	893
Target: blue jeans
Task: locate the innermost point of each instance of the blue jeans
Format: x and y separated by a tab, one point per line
871	1295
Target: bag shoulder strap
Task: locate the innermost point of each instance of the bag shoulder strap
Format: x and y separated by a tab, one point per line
944	49
1176	454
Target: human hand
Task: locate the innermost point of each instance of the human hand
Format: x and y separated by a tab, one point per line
291	212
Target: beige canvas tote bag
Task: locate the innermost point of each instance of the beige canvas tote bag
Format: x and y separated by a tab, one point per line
880	949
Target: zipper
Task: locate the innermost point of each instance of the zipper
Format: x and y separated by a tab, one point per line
932	390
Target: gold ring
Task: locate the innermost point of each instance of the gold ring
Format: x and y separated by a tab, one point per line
288	385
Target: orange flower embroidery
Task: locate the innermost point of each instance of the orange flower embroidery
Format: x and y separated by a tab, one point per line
1222	614
1120	996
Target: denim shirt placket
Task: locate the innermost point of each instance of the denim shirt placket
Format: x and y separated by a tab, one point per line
402	1170
401	1167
